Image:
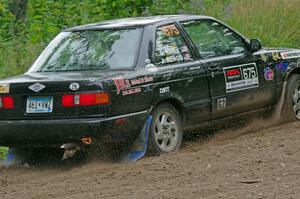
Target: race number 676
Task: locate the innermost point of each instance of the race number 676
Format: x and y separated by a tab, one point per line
249	72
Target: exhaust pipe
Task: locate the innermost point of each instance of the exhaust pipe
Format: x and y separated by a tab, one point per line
87	140
70	150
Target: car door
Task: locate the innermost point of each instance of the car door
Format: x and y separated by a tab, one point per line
180	74
238	80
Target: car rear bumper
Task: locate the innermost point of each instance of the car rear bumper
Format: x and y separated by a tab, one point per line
46	133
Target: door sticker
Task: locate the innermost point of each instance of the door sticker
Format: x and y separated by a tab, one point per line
268	74
290	55
221	104
164	90
241	77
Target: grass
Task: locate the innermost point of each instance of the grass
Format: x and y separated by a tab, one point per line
16	57
275	22
3	152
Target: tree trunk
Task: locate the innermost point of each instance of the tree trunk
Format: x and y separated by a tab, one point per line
18	8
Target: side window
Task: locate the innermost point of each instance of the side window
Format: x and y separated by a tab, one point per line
213	39
170	46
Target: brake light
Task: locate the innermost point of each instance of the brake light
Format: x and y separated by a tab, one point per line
7	102
85	99
68	100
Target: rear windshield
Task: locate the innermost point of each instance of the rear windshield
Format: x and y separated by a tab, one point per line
90	50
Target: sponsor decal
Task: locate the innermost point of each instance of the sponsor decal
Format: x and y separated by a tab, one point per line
164	90
221	104
141	80
233	74
74	86
4	88
121	84
148	89
290	55
276	56
131	91
170	30
124	86
151	68
264	58
268	73
241	77
282	67
37	87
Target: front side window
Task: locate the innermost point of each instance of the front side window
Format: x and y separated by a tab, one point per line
213	39
170	46
90	50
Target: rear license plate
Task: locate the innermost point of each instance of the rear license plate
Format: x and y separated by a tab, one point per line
39	105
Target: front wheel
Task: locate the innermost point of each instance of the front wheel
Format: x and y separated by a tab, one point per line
165	131
291	106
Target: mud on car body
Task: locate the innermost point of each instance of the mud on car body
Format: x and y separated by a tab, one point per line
98	83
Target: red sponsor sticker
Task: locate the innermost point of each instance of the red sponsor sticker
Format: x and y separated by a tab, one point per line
124	86
233	72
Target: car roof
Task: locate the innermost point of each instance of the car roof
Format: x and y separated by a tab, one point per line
133	22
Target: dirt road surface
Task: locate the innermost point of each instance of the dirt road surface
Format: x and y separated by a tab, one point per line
250	163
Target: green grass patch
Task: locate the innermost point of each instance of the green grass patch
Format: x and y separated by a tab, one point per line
3	152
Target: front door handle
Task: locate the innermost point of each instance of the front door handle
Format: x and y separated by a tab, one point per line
214	68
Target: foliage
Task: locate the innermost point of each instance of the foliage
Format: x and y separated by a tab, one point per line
3	152
274	21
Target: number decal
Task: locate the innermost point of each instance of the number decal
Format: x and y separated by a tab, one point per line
241	77
249	73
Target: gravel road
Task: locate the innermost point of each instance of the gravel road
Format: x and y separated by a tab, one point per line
253	162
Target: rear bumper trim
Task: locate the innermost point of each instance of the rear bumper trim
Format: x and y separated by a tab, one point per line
59	131
72	121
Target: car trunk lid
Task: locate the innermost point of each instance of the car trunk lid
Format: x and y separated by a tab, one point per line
39	95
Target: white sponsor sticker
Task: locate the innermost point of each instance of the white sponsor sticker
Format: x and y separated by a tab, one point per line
4	88
241	77
151	68
74	86
290	55
221	104
164	90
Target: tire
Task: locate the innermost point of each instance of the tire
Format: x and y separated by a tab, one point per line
35	156
165	134
291	105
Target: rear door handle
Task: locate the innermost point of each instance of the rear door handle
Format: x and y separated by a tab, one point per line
214	68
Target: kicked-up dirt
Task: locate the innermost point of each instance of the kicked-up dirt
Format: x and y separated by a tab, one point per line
254	162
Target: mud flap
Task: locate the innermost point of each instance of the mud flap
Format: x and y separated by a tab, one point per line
15	157
139	147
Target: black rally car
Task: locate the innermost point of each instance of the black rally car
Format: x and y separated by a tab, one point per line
99	83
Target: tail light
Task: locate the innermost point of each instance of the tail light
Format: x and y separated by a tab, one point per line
85	99
7	102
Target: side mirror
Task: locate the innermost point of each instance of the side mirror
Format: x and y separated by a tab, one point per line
255	45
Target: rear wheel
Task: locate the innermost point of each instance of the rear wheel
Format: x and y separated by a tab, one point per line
165	131
291	106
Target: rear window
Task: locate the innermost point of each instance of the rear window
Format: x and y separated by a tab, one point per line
90	50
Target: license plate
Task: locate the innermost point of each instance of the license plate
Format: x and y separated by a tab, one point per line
39	105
